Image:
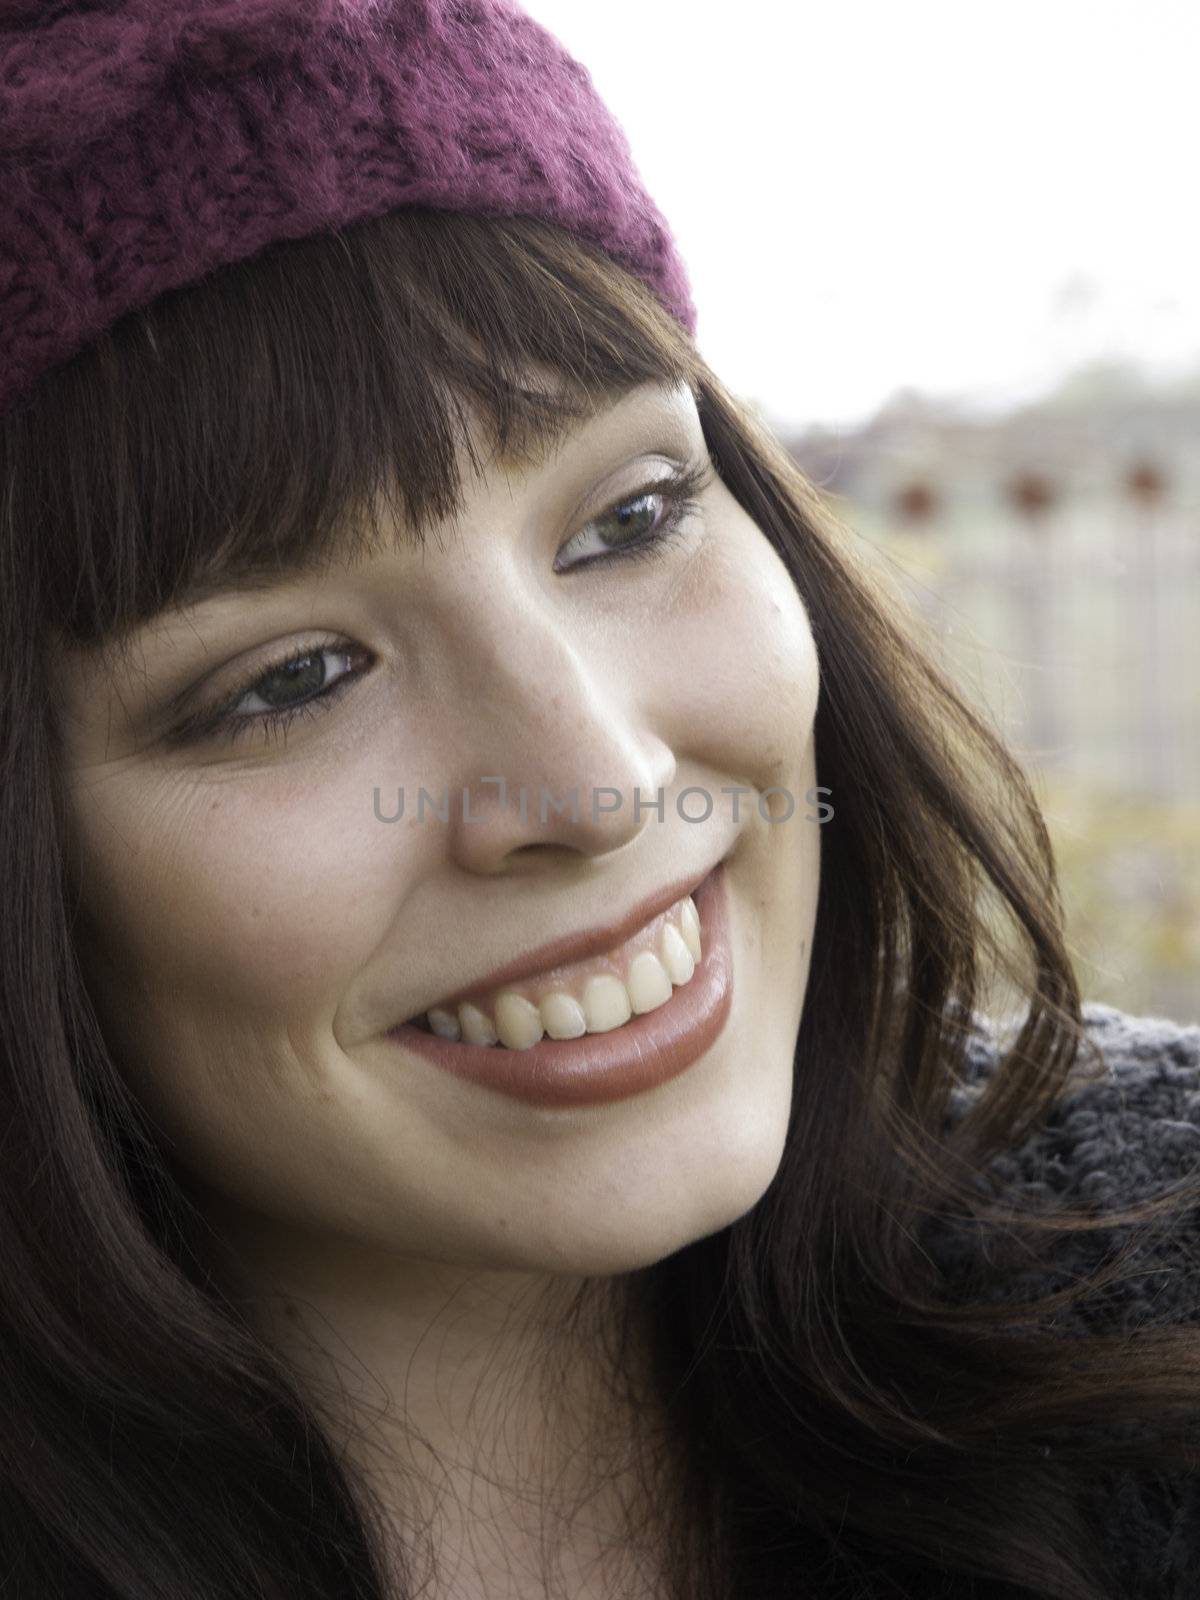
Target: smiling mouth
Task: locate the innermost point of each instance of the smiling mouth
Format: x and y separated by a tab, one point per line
596	994
631	1057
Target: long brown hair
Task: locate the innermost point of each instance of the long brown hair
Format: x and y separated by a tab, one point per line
848	1417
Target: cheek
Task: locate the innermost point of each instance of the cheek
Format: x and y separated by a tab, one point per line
240	909
735	658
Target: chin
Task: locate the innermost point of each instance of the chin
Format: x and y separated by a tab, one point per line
647	1222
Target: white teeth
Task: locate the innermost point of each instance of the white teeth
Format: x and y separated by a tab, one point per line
605	1003
648	984
518	1022
676	956
689	921
476	1025
444	1023
562	1017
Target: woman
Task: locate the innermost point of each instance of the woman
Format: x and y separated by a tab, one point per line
528	1130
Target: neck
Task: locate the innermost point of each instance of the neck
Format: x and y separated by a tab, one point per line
500	1419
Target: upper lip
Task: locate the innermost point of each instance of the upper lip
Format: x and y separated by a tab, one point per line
577	946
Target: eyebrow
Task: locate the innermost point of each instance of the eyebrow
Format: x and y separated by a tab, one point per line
250	574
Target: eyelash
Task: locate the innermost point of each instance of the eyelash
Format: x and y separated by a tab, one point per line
681	488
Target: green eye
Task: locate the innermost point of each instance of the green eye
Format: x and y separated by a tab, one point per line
680	490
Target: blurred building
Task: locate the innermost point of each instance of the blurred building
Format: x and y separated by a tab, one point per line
1085	434
1055	553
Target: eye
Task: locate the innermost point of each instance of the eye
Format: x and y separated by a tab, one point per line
644	522
641	524
301	679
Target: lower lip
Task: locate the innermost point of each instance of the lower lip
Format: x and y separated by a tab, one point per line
602	1067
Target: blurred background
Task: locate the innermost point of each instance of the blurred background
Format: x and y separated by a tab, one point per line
949	253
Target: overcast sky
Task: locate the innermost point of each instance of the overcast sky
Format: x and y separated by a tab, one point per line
955	195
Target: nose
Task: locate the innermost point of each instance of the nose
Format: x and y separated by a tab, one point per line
558	755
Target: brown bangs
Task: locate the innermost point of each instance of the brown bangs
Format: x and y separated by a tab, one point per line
252	425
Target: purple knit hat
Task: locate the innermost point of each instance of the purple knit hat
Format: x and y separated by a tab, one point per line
144	143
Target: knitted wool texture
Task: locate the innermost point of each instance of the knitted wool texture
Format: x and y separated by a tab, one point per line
144	143
1112	1142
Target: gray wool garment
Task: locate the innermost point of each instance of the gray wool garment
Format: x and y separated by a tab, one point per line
1111	1141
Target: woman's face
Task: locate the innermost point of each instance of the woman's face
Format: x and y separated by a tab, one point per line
252	925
